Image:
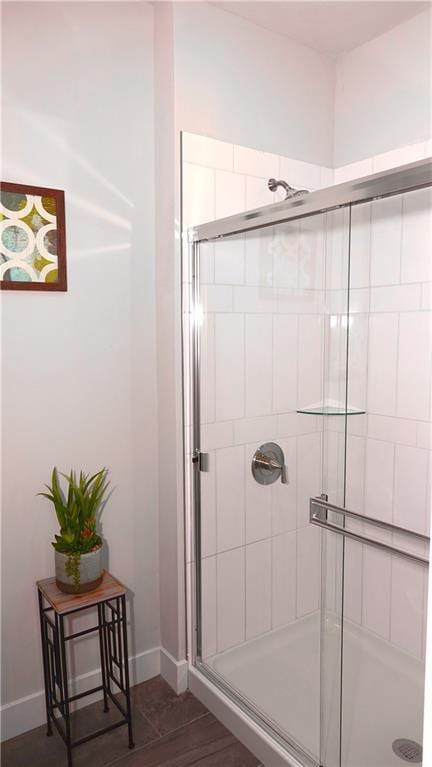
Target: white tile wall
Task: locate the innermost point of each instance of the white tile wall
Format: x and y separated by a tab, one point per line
411	476
258	503
215	435
311	253
386	241
358	360
209	612
284	579
259	258
208	508
257	193
395	298
286	247
376	591
382	363
231	599
230	504
251	162
336	249
355	473
258	588
285	363
400	156
397	430
308	570
258	364
300	301
382	162
379	476
310	360
360	245
266	296
229	365
406	615
208	368
284	496
300	174
229	258
414	366
254	300
230	194
353	580
416	263
261	429
207	262
202	150
217	298
198	194
309	473
352	171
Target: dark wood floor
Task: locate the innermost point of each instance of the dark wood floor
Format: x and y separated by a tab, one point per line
169	731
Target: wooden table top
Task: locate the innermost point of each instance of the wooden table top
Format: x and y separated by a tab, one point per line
67	603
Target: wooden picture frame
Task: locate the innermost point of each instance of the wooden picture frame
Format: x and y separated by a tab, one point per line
40	269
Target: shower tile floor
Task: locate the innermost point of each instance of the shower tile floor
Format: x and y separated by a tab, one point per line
169	731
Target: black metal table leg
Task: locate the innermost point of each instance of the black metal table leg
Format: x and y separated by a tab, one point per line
45	664
126	670
65	687
100	609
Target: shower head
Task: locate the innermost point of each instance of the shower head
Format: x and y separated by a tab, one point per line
273	185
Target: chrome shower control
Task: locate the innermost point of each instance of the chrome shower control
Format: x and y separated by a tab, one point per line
268	464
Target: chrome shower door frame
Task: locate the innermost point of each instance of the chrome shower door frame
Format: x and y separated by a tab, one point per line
396	181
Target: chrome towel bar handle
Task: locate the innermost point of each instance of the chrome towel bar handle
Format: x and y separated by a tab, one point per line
318	515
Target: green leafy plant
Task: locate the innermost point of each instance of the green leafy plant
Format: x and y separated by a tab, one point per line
77	514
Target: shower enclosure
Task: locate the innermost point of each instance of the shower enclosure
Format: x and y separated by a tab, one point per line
308	464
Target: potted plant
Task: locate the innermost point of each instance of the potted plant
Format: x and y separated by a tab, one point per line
78	548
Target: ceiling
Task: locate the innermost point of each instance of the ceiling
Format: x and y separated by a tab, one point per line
329	27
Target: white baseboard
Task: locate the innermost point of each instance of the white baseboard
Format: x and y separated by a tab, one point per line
175	672
29	712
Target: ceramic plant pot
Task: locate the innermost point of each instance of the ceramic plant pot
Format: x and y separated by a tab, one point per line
85	574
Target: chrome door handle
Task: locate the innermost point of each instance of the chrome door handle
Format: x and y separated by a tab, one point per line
268	464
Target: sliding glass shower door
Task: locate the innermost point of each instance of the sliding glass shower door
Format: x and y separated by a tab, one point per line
388	480
272	306
312	370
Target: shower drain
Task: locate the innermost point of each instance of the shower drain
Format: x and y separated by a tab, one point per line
408	750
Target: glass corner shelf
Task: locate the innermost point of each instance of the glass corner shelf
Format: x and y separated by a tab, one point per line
330	410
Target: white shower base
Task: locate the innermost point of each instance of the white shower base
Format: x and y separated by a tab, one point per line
382	690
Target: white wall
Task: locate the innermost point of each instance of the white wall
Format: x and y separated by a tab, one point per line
79	368
383	92
240	83
259	89
169	362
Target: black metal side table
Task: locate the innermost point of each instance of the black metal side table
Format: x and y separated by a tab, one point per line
54	606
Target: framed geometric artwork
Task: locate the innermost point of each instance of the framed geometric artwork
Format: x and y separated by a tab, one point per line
32	238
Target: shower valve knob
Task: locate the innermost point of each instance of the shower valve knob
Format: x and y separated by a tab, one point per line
268	464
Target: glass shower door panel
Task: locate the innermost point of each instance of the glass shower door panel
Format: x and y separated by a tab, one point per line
387	476
273	336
